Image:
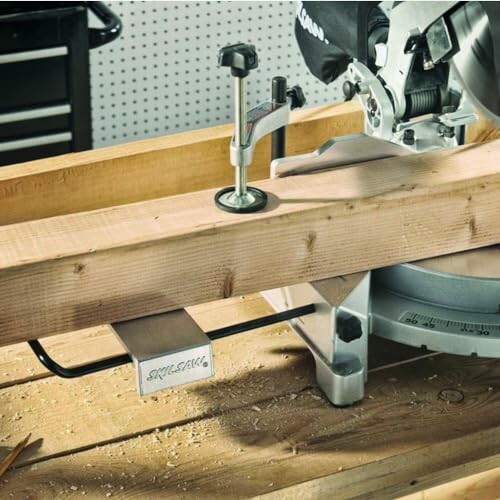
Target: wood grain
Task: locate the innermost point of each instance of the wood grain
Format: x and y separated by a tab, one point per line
18	364
80	270
397	475
480	486
401	437
481	131
153	168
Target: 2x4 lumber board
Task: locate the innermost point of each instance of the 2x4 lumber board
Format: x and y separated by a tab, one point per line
401	437
19	365
153	168
70	415
80	270
164	166
482	485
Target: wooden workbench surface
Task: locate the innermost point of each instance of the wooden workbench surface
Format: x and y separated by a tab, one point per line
260	427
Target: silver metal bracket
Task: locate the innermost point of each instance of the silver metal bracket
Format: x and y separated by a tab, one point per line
337	152
336	334
167	349
260	121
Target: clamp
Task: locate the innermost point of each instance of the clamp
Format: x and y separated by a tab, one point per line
269	117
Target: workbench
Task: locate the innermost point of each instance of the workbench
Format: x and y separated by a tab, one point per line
260	427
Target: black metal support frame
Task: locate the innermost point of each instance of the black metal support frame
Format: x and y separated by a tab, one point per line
122	359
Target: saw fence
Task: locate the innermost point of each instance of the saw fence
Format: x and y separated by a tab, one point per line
92	238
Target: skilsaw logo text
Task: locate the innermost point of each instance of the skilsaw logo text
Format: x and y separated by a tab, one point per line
309	25
182	366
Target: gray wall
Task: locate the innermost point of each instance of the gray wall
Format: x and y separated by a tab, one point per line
161	75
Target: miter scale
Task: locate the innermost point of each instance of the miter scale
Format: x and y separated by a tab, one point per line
419	78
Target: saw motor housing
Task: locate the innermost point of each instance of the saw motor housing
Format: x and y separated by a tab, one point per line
419	74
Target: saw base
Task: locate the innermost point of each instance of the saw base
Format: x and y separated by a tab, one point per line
415	304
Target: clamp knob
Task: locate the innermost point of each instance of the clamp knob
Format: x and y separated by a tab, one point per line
240	57
348	327
296	94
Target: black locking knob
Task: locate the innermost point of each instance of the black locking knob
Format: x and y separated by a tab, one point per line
240	57
348	327
409	137
296	94
349	89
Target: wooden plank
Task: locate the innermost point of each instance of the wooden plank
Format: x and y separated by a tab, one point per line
80	270
153	168
18	364
481	131
400	474
483	485
402	436
164	166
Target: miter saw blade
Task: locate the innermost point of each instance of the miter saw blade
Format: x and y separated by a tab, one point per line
477	62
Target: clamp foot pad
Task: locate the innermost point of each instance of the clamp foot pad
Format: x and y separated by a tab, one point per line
227	200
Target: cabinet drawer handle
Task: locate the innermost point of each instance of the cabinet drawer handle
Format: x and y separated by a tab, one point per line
32	142
30	55
32	114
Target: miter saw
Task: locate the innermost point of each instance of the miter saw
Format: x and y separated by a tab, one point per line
420	75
